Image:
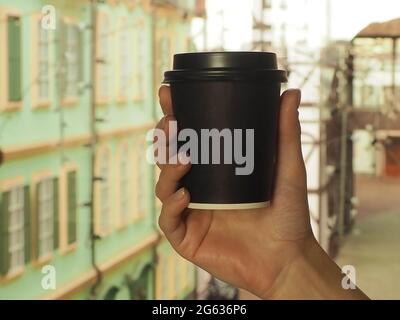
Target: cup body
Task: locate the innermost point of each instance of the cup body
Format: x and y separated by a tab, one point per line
234	119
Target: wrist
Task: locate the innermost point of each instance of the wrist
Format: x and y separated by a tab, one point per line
312	274
292	273
300	274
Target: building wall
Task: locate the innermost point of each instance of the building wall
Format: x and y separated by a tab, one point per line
121	280
53	137
27	284
174	277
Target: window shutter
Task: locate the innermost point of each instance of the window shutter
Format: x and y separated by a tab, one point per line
27	220
56	213
35	223
4	223
63	49
72	207
14	58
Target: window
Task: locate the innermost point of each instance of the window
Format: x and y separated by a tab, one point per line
43	83
104	61
164	58
125	60
16	228
14	59
72	61
103	193
166	51
69	54
140	61
124	185
45	217
142	177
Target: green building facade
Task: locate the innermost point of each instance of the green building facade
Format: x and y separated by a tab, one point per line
78	211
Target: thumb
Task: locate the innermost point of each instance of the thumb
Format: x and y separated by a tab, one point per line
290	163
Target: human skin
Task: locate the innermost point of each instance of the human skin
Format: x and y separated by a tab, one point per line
270	252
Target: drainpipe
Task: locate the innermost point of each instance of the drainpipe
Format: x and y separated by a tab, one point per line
93	236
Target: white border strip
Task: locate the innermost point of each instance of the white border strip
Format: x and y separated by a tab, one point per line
228	206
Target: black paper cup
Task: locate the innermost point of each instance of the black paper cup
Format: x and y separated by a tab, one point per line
238	92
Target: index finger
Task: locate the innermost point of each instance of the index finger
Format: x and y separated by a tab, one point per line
164	93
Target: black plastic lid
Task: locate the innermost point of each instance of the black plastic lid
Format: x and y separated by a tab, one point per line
225	65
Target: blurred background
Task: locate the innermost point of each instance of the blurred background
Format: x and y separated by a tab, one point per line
78	93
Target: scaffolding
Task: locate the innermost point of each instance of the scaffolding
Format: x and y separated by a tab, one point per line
324	116
262	28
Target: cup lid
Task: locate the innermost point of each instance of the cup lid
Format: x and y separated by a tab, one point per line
229	65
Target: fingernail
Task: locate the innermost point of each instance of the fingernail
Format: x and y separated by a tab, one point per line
180	194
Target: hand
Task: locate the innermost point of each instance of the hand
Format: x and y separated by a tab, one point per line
237	245
252	249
